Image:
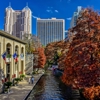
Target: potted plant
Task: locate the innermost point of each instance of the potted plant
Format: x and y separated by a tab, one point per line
16	81
22	76
7	86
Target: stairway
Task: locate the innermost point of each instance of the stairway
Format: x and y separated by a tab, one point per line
75	94
29	70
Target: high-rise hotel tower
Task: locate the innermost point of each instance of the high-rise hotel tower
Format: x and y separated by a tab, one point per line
18	22
50	30
75	16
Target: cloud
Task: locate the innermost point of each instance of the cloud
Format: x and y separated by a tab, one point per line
34	16
49	11
69	18
56	11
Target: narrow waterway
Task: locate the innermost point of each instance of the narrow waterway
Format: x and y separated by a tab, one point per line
49	88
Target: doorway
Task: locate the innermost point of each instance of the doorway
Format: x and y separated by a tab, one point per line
22	67
8	71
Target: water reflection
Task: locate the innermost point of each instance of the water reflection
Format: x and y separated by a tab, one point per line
48	88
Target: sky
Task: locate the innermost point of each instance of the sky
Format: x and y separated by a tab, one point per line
61	9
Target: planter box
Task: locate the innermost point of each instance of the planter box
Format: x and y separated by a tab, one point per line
8	59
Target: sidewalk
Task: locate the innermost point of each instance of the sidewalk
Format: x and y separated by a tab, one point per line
21	91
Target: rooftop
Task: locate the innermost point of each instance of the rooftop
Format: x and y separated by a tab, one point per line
7	35
49	19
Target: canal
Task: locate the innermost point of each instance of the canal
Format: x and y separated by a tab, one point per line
49	88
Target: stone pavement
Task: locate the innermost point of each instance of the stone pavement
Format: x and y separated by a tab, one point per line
21	91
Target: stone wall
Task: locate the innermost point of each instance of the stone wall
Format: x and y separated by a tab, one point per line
29	64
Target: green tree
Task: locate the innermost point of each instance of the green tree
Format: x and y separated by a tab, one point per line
30	46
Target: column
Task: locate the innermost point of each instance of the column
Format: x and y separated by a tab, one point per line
12	61
24	60
4	50
19	61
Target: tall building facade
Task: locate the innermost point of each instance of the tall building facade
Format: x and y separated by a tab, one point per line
50	30
66	34
74	22
75	16
18	22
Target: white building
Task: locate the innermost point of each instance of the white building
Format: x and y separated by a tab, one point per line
66	34
18	22
75	16
50	30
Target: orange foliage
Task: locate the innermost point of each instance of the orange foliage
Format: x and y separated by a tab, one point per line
41	58
83	58
92	93
53	47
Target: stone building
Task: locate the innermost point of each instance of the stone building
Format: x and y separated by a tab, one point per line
10	45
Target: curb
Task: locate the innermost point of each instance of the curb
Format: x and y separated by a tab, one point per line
32	88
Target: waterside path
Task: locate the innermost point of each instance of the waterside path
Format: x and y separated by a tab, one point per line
21	91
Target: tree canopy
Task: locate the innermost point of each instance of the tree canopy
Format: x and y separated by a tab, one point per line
83	58
32	42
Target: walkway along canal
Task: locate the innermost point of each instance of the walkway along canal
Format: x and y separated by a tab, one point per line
50	88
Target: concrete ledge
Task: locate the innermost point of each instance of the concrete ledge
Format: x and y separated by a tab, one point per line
32	88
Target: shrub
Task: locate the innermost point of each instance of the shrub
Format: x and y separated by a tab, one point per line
16	80
22	76
33	72
8	84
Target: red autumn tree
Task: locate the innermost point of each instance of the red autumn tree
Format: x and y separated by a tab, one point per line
61	61
92	93
83	58
41	57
